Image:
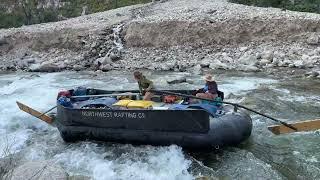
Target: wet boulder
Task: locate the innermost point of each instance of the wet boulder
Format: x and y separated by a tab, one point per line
3	42
169	65
205	63
217	64
49	67
264	62
7	164
30	60
313	39
42	170
312	74
164	67
106	67
114	56
34	67
159	59
248	68
177	80
22	64
268	55
103	61
181	66
248	60
299	64
77	67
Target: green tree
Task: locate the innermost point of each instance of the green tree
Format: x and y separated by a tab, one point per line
295	5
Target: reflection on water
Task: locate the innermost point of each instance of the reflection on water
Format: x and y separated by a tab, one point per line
263	156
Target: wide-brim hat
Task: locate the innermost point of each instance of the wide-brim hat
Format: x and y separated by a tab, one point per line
209	78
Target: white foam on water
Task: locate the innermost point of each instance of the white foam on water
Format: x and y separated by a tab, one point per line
16	123
105	161
300	98
116	35
285	91
37	92
312	159
34	92
156	162
239	85
295	152
83	158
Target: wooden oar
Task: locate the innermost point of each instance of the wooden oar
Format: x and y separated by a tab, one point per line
49	119
36	113
234	104
47	111
309	125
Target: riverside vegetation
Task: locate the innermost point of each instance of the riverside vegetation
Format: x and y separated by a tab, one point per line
19	12
294	5
25	12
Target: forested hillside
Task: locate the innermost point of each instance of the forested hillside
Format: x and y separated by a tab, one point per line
25	12
294	5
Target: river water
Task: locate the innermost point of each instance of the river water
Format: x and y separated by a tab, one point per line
263	156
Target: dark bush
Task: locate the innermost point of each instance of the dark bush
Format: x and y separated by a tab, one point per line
11	20
294	5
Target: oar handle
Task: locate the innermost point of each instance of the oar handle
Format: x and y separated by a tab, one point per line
234	104
106	95
47	111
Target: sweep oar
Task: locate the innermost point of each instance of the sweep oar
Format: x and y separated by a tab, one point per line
308	125
234	104
36	113
49	119
47	111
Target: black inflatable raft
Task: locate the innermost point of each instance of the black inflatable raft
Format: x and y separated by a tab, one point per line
190	128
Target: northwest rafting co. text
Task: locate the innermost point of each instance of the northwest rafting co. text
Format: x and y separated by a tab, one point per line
132	115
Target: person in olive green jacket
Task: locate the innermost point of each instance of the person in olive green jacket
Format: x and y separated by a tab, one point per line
145	85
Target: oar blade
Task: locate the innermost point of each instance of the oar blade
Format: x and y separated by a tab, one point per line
309	125
35	113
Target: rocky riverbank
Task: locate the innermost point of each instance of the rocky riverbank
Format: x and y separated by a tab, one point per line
170	35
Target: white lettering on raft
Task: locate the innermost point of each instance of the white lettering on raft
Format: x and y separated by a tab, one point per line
131	115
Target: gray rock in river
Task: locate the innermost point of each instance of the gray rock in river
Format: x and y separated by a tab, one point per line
49	67
7	164
313	39
42	170
77	67
177	80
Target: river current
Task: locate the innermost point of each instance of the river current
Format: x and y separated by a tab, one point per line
262	156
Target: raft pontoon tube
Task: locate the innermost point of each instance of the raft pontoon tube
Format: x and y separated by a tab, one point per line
189	127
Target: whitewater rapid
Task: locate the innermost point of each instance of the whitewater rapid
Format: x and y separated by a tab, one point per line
35	140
